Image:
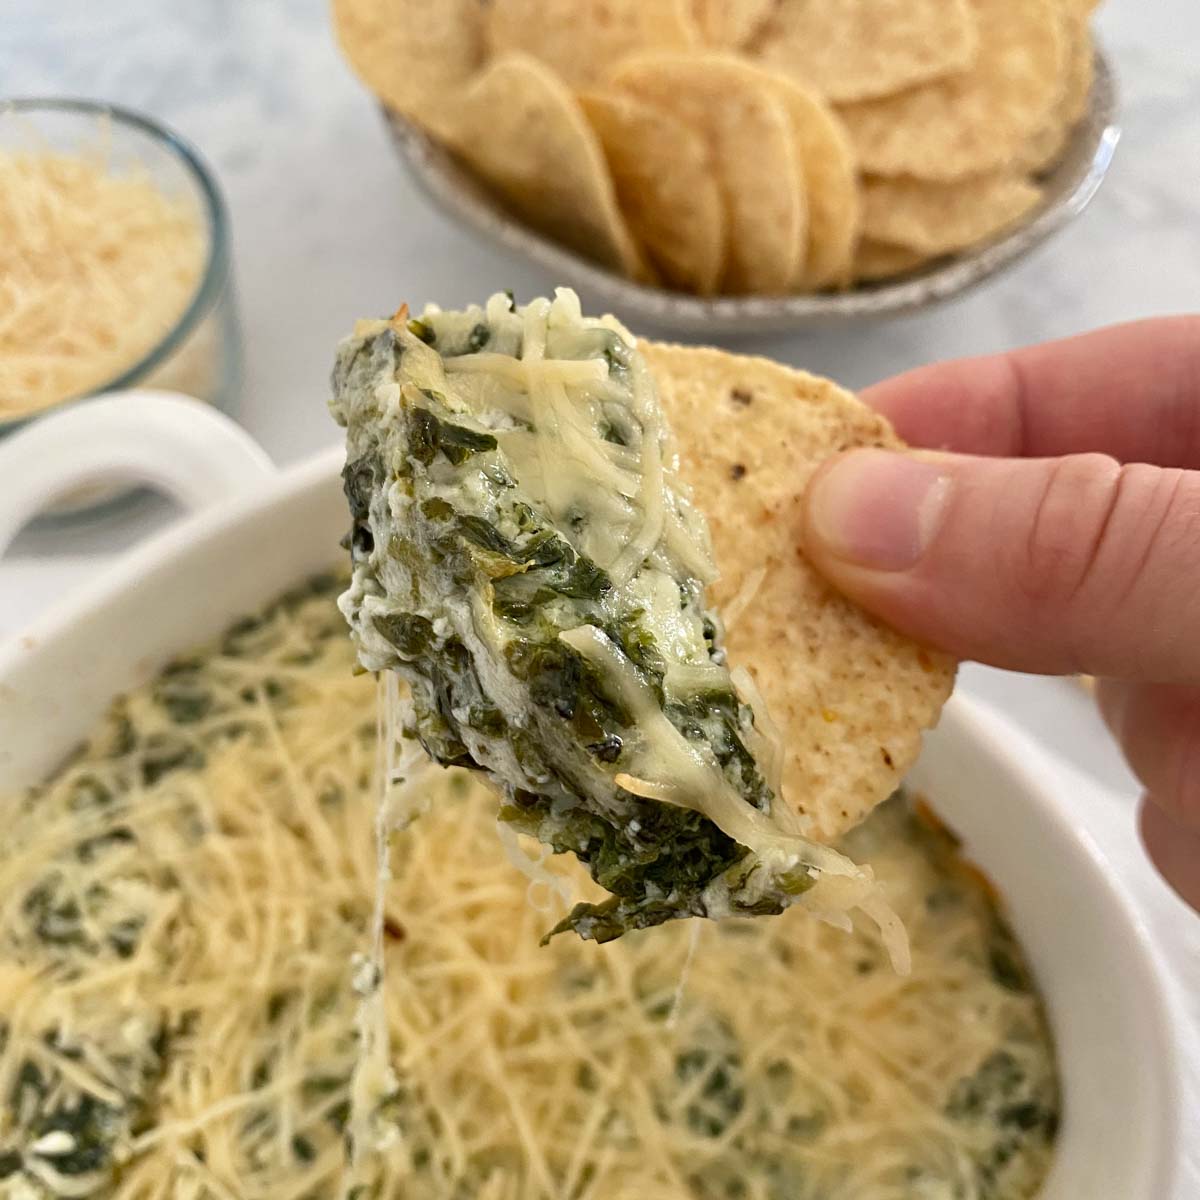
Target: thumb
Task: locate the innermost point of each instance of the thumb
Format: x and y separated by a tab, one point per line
1051	565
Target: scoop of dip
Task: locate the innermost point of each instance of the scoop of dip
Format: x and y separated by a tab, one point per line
525	557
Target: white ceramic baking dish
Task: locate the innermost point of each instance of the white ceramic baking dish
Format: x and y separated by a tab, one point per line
256	531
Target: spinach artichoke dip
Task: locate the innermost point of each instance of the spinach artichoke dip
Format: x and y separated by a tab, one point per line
179	905
526	558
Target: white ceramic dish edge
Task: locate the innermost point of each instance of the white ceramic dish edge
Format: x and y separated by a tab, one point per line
1108	1000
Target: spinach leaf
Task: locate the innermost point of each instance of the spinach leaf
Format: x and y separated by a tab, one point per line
430	434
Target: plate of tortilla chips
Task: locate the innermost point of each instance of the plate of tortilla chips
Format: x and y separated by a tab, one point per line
746	165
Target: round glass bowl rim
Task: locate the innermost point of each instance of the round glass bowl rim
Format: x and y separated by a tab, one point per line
216	264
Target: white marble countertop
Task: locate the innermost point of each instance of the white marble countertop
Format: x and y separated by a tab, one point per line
327	227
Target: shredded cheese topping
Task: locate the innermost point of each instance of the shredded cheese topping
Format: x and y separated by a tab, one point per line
180	905
95	269
563	459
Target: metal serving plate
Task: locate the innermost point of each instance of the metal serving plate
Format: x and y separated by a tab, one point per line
1069	187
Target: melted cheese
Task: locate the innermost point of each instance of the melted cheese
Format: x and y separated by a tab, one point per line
373	1078
561	460
652	493
732	612
666	766
786	1059
768	750
95	269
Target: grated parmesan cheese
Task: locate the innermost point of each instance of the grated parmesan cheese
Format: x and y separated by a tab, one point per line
180	904
96	268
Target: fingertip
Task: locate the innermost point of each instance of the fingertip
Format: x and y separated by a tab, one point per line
874	510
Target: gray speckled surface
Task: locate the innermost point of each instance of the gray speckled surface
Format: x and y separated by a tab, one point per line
328	227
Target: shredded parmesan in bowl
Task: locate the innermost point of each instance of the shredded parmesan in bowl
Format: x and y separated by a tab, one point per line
113	259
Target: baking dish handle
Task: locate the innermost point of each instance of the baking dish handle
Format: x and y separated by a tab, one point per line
162	440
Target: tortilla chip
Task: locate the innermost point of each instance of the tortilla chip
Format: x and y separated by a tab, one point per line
877	261
978	120
581	39
1046	146
752	150
665	187
859	49
412	55
940	218
522	131
831	184
730	24
851	697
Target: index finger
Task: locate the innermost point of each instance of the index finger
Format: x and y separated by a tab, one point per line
1129	391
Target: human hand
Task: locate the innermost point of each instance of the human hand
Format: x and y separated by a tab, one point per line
1061	535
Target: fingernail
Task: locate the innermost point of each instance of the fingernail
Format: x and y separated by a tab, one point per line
877	509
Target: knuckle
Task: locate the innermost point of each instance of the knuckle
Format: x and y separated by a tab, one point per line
1157	528
1073	509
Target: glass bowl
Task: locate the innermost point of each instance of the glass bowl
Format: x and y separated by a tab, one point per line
200	354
